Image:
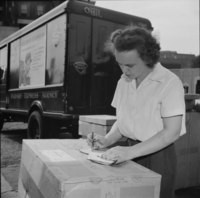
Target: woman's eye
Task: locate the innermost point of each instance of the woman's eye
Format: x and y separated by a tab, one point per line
129	66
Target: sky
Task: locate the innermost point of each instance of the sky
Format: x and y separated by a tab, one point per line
175	22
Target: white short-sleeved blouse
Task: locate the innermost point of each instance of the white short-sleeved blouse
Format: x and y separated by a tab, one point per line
140	110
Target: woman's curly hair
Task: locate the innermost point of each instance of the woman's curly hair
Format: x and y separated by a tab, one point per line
135	38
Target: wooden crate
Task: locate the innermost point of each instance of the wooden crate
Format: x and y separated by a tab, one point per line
56	169
100	124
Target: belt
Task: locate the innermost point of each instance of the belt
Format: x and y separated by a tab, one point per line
132	142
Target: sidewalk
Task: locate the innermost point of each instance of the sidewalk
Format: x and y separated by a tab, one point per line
6	189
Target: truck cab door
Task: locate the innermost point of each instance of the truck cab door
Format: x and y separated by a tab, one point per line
92	74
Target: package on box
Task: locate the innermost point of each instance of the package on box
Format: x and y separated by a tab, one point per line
100	124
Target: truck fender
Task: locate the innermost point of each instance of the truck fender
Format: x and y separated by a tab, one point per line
36	105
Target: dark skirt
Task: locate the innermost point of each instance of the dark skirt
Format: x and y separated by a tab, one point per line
164	163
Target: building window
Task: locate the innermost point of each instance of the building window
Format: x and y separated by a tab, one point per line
1	14
40	10
186	88
24	10
197	87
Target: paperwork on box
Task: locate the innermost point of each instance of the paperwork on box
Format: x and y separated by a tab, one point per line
95	156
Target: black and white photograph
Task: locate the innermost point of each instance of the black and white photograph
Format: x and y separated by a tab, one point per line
100	98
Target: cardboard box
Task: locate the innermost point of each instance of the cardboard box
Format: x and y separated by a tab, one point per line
56	169
100	124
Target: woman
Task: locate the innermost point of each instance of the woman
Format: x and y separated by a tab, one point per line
150	107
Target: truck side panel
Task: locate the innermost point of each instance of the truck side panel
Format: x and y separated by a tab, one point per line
37	64
51	99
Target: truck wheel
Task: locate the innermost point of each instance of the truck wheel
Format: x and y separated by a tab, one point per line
35	129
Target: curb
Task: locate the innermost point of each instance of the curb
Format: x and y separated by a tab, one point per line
6	189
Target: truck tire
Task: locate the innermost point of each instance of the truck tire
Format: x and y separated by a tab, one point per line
35	126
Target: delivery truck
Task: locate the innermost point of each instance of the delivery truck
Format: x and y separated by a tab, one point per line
55	68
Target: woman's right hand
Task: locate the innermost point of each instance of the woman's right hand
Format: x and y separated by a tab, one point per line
97	141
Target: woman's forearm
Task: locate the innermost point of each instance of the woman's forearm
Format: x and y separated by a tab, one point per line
114	134
169	134
154	144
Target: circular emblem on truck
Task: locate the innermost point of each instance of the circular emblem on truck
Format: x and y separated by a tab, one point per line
80	67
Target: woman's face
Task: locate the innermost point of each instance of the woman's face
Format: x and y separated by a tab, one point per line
131	64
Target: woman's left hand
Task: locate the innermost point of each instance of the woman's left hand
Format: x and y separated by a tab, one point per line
118	154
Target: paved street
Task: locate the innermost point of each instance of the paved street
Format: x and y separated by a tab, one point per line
11	145
6	189
12	136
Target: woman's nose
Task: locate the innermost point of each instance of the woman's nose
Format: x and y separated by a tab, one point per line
125	69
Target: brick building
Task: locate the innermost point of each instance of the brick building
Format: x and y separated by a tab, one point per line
186	67
16	14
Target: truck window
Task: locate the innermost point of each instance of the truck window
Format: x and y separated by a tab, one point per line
3	71
105	70
32	59
100	60
14	64
3	65
56	40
